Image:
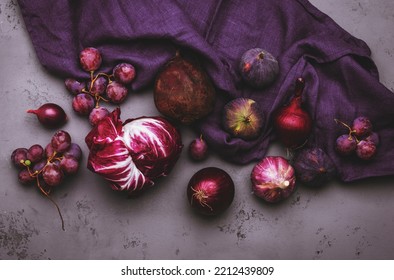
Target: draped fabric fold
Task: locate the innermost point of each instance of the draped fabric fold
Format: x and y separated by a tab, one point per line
341	78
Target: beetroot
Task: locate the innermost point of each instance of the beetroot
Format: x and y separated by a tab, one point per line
313	167
183	91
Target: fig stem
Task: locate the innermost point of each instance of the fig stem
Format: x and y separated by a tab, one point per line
31	111
247	119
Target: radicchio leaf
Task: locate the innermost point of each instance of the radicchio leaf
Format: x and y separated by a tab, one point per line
131	155
154	144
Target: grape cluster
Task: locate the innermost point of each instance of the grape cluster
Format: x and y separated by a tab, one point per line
101	86
361	139
47	167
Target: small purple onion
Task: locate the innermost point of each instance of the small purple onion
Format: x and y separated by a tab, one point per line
198	149
50	115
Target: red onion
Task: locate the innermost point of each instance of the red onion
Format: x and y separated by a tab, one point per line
50	115
210	191
273	179
292	123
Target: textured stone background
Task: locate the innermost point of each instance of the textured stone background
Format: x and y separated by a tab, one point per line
354	221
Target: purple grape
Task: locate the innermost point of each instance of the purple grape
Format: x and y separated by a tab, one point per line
52	174
74	87
18	156
69	165
97	114
345	144
366	149
90	59
61	141
83	103
116	92
37	167
57	162
374	137
35	153
124	73
99	86
25	178
361	126
49	151
74	151
198	149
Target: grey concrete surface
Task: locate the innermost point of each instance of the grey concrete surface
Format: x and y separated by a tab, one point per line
352	221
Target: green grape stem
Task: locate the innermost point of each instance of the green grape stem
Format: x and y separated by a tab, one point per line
93	78
35	174
351	131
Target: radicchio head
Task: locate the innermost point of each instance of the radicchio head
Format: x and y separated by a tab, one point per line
131	155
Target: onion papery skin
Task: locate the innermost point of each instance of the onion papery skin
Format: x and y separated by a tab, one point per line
314	167
210	191
273	179
133	154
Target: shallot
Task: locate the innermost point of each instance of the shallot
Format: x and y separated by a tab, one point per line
314	167
50	115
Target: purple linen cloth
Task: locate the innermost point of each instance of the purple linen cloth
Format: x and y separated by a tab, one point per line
341	79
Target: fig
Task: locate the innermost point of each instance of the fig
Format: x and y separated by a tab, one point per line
313	167
183	91
258	68
243	118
